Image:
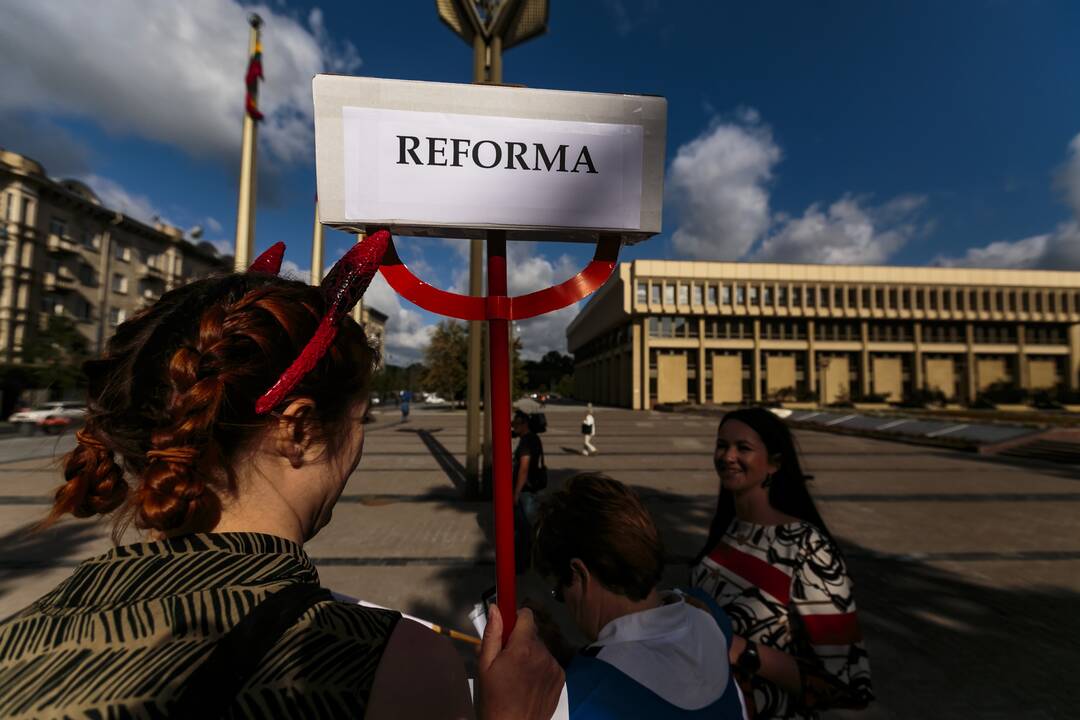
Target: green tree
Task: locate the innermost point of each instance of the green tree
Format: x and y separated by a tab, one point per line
56	354
447	358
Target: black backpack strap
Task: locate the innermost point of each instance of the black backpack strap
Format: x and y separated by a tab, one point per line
210	690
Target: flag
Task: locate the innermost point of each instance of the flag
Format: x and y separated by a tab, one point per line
251	80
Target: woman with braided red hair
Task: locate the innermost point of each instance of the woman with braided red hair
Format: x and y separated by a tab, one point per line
224	421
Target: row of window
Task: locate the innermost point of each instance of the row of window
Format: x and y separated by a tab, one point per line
677	326
78	308
860	297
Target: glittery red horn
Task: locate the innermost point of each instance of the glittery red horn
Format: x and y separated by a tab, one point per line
270	261
342	287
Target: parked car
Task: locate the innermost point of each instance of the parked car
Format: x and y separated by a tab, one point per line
70	410
433	399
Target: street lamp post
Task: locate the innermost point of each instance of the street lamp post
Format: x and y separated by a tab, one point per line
489	26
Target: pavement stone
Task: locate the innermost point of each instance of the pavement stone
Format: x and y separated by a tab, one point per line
967	569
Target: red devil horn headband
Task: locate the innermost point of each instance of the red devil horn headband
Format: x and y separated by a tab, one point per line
342	288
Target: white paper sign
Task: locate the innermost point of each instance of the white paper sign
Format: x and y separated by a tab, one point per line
466	170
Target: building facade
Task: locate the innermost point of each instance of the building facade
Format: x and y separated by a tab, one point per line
727	333
65	254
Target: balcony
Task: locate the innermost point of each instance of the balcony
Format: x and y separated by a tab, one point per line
60	244
60	281
153	272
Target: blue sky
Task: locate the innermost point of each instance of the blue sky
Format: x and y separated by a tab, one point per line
902	132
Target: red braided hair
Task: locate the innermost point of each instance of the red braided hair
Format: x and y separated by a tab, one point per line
172	401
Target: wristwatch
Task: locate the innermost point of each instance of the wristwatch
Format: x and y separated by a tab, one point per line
749	660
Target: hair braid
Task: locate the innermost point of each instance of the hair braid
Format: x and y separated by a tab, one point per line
94	483
174	493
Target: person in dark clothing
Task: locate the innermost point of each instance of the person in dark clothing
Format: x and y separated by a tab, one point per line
529	478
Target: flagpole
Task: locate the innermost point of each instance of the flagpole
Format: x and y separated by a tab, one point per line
245	209
317	239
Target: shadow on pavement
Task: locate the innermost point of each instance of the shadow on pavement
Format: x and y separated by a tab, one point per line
24	552
941	646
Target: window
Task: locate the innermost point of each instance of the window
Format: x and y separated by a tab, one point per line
894	296
10	207
711	295
918	298
697	295
1052	299
120	283
117	316
796	296
988	303
740	294
656	293
946	299
838	297
87	275
852	301
1038	302
725	295
766	299
57	227
781	296
122	252
932	295
753	294
27	206
1012	300
684	294
88	239
642	292
1026	297
811	296
905	299
879	298
669	294
973	297
866	298
51	305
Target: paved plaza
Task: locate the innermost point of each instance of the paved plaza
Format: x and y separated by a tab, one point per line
967	570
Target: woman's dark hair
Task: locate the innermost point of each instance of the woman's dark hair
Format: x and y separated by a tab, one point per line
788	492
604	524
171	403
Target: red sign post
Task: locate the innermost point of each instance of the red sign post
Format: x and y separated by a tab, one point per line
498	309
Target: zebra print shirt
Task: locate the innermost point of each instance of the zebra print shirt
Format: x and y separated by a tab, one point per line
120	636
787	587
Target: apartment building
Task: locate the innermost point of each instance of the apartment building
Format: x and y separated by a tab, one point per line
721	332
64	253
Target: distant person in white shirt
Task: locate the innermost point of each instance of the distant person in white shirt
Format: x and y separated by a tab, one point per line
588	429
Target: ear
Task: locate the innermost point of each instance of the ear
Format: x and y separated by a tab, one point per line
294	434
579	573
775	461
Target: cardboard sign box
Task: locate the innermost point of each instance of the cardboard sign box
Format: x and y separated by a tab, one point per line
449	160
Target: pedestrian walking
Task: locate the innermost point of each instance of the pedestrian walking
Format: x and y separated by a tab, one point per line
530	477
406	399
588	430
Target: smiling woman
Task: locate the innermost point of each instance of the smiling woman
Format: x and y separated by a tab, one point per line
772	565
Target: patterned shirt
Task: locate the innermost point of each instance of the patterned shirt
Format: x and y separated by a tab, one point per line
121	635
787	587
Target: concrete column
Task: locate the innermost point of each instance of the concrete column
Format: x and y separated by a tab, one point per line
917	368
969	339
1023	377
635	364
864	365
755	371
811	358
701	362
646	389
1074	357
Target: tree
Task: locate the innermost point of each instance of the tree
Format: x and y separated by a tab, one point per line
544	374
447	358
57	354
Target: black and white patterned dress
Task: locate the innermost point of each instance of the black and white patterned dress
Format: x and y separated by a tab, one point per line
787	587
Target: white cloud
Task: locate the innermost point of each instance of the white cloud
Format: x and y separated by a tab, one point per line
292	271
1055	250
167	71
116	197
213	225
718	185
847	232
407	332
529	270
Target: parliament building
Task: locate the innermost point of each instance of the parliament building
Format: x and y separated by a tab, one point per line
728	333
